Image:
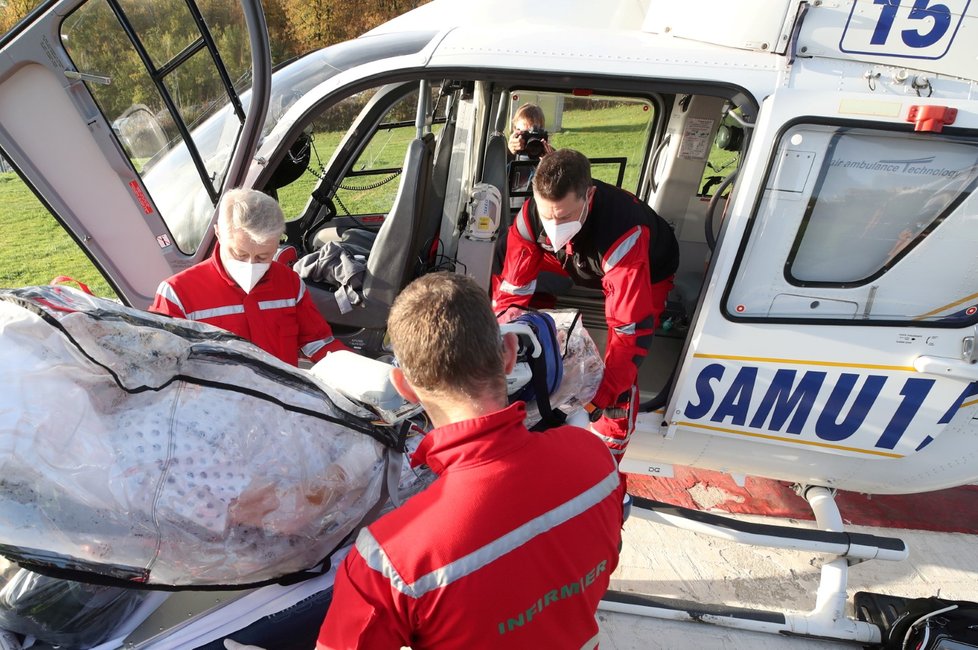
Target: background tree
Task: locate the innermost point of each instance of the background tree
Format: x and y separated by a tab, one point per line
12	11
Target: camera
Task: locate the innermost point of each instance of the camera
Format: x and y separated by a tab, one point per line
533	142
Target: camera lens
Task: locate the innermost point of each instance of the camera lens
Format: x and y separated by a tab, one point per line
533	147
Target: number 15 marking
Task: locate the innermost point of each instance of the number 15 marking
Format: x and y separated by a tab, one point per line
924	30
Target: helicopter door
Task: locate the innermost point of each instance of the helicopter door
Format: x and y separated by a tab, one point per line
842	306
125	118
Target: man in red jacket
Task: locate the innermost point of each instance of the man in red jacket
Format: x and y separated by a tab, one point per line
601	237
242	289
513	544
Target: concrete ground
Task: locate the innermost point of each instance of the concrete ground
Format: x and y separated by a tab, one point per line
664	561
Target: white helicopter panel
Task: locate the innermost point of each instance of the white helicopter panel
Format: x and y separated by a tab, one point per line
760	25
936	37
542	50
625	14
836	327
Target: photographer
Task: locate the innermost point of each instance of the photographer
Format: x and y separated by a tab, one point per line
529	137
528	142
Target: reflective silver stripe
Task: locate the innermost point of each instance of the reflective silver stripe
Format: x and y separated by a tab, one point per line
276	304
524	290
302	290
626	330
522	225
313	347
377	560
621	250
204	314
609	440
167	292
632	413
604	439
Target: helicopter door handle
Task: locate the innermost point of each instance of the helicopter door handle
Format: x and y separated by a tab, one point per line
968	350
944	367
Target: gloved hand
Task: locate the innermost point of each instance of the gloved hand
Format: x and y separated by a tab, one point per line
231	644
594	413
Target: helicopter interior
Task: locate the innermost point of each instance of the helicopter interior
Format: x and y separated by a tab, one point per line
387	173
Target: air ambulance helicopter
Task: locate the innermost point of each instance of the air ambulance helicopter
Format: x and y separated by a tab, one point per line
822	330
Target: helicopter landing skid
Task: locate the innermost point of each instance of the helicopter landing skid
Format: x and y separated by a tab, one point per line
828	619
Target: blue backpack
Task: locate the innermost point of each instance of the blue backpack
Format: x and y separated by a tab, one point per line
546	365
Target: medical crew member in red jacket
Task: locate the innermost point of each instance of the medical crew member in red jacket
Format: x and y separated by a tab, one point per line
240	288
605	238
513	544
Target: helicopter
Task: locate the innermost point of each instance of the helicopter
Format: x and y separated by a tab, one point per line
816	160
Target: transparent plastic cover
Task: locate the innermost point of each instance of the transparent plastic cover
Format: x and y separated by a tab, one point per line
167	452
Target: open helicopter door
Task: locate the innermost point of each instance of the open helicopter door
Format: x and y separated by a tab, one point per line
834	342
125	119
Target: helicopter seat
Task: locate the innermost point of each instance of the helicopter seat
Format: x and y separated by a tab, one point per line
392	259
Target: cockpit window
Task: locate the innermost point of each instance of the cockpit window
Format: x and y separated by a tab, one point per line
851	219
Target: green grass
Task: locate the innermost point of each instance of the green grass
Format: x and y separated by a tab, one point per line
606	133
600	133
386	150
34	248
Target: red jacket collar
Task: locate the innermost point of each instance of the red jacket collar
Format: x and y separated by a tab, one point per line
473	442
219	266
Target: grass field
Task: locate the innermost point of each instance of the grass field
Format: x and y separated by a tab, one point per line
34	248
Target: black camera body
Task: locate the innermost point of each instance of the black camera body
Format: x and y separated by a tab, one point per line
533	142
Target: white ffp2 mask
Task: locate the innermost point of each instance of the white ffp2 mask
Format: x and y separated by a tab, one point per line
245	274
560	233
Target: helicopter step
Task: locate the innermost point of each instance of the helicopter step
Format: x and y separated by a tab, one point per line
827	620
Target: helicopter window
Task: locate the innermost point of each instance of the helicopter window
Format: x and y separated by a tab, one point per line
369	185
613	132
724	158
866	213
174	117
856	217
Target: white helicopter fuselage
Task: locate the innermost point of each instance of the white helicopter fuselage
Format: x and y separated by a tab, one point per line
808	360
878	396
848	368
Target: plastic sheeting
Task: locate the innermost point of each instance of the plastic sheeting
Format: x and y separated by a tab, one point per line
167	452
62	612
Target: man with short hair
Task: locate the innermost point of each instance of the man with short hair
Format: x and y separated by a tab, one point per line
603	237
513	544
242	289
